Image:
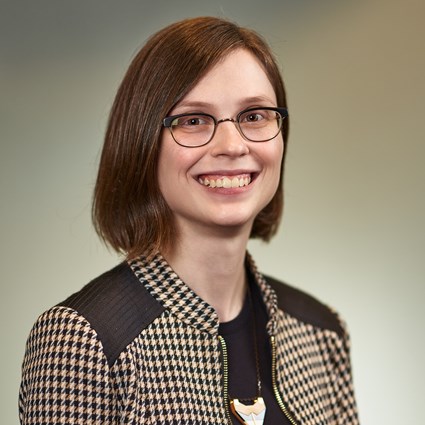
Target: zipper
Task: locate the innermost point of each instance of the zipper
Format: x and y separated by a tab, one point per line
225	378
274	383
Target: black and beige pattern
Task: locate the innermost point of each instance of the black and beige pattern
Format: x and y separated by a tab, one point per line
137	346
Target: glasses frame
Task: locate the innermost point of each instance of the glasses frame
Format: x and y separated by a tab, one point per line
283	112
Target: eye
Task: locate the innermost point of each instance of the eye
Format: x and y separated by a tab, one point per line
191	121
257	116
253	117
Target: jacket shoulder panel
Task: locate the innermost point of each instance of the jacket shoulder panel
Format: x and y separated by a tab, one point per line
117	306
305	307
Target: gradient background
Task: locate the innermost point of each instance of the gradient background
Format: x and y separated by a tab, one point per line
353	232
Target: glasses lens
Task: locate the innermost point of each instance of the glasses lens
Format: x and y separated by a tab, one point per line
192	129
260	125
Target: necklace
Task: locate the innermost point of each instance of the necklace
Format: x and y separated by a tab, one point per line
251	411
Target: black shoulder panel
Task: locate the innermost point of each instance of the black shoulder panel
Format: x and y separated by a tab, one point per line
117	306
305	307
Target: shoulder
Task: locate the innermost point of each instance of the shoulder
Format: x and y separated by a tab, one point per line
305	307
117	306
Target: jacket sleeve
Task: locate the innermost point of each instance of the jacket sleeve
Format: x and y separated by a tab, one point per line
339	367
65	374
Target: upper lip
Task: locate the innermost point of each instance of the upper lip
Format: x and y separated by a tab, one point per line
227	172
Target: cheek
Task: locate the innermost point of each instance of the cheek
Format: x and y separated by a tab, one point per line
174	163
166	164
275	158
169	156
275	155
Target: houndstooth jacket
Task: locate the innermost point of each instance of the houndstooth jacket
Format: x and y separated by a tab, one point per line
137	346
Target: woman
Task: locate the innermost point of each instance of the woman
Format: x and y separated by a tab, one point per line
187	331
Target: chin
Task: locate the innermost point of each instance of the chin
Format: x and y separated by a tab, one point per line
234	221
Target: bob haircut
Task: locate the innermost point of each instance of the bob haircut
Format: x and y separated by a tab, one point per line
129	212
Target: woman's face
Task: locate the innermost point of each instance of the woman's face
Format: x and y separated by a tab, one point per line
187	175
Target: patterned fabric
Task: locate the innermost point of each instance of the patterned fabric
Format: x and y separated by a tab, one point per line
167	288
65	373
172	372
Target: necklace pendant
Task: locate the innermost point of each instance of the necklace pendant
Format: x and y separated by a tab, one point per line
249	414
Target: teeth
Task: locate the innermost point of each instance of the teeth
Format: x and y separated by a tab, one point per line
226	182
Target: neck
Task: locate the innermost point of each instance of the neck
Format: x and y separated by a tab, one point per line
213	266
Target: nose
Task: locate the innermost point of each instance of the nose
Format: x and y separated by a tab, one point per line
228	140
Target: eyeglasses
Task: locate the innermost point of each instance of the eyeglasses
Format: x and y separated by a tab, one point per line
254	124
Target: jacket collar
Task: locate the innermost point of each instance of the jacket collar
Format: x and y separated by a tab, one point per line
169	290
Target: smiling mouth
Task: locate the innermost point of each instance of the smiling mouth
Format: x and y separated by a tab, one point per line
226	182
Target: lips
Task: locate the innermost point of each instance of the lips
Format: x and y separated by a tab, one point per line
225	181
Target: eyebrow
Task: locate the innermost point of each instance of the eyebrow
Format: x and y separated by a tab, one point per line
201	105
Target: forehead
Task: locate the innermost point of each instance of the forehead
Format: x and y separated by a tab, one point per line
234	79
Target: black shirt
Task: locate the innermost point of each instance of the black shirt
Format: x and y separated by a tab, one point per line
239	337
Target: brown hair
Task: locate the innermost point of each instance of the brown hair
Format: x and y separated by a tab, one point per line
129	212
